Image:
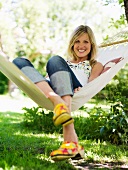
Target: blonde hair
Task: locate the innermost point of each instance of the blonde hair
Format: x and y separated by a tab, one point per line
80	30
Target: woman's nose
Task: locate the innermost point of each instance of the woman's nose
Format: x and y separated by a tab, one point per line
81	45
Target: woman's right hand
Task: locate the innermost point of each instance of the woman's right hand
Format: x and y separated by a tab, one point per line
77	89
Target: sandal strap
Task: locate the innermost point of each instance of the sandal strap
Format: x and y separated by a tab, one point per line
61	115
60	108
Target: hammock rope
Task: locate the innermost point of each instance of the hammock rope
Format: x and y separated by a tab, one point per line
120	37
107	54
113	43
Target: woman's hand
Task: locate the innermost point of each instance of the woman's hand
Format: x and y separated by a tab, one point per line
77	89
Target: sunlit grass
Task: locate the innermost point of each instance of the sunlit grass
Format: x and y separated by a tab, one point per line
22	148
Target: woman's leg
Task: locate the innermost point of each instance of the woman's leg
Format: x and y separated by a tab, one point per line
63	89
69	133
49	93
61	113
63	82
28	69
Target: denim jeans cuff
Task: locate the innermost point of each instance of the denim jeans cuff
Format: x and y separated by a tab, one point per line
61	83
33	74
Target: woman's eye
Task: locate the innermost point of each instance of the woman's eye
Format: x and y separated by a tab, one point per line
77	41
86	42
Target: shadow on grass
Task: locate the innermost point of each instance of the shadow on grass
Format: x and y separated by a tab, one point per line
27	149
95	165
22	148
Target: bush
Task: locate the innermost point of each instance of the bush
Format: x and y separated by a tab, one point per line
99	125
38	119
89	127
111	125
115	128
3	83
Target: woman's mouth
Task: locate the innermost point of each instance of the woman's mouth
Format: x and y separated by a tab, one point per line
81	51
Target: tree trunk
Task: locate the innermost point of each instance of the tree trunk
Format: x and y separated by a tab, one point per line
126	9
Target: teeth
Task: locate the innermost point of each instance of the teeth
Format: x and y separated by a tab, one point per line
81	51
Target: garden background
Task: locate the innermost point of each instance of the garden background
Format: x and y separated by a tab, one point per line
38	30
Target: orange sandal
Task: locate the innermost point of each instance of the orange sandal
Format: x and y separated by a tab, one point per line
61	115
68	150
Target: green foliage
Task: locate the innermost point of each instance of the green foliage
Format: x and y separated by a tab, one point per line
40	63
39	119
113	1
109	125
22	148
89	127
3	83
101	125
31	27
121	1
114	123
118	23
115	128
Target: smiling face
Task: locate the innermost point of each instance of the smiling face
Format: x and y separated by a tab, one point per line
82	47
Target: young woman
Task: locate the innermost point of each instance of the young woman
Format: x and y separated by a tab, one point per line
66	77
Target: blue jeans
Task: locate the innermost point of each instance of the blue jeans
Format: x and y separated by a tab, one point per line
61	78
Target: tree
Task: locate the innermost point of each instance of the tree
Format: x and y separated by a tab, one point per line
41	28
126	8
123	3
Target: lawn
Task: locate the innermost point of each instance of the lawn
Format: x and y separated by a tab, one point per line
22	148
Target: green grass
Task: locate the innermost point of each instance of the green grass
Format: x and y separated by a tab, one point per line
22	148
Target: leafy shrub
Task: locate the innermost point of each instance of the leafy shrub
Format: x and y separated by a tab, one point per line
89	127
111	125
115	128
3	83
38	119
100	125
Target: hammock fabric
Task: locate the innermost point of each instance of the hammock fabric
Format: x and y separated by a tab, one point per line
115	57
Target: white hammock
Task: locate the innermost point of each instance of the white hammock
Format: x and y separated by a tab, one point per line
105	54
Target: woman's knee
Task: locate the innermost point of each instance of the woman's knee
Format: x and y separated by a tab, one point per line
55	59
56	62
22	62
